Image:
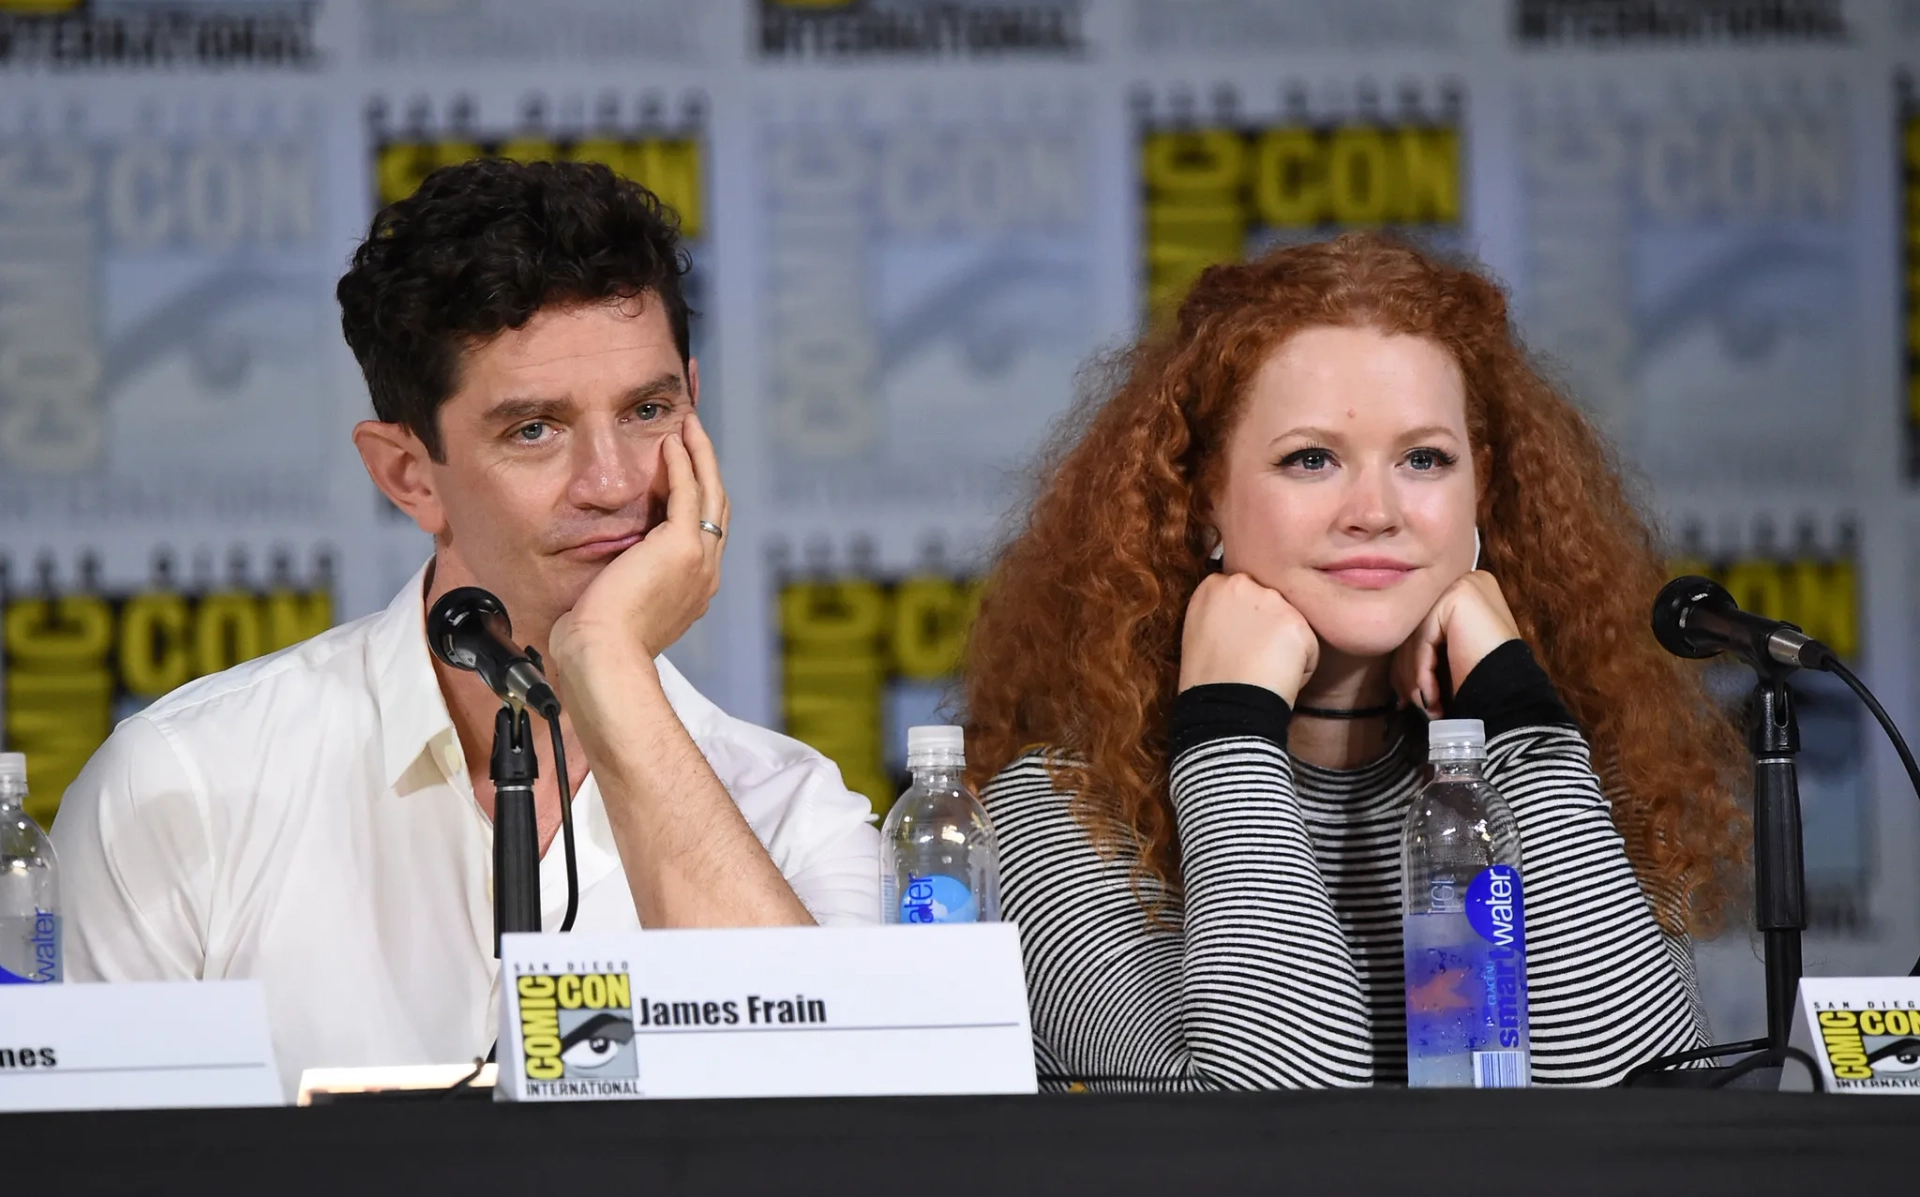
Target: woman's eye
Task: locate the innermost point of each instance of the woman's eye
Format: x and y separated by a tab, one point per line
1312	460
1428	459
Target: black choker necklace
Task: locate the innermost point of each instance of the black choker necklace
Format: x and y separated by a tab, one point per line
1346	712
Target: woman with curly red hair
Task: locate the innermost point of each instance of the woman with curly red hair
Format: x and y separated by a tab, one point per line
1332	500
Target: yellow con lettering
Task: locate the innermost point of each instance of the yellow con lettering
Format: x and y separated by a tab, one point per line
1431	158
529	149
291	617
670	168
154	655
930	620
1871	1023
833	673
567	992
1357	175
1756	584
226	631
1288	182
1360	186
399	167
619	991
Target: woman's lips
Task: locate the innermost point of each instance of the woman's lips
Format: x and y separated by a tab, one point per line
597	550
1368	574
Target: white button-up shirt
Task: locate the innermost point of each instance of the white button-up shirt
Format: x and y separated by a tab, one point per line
307	819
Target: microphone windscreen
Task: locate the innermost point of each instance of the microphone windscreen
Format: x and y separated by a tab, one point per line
1670	609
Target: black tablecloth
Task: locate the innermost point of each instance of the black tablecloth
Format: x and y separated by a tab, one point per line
1459	1144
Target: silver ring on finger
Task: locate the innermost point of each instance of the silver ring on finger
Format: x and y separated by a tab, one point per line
716	529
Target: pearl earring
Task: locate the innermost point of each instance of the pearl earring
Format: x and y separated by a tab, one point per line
1219	548
1476	548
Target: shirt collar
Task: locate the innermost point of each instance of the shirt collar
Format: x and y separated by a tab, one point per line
413	712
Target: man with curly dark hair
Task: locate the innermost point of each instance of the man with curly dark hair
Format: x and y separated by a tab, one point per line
320	818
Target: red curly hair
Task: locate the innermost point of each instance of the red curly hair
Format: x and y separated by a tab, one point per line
1076	646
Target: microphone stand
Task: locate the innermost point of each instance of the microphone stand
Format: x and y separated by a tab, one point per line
1779	861
516	832
1780	894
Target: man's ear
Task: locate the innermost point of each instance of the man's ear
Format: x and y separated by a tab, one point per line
693	382
398	463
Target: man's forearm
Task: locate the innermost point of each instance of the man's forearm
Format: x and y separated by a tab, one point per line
690	858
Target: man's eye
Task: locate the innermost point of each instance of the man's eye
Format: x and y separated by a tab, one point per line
649	412
530	433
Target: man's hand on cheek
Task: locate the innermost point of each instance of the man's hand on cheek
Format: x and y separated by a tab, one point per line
648	596
1468	621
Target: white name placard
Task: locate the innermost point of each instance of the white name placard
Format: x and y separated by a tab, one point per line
145	1045
765	1012
1864	1031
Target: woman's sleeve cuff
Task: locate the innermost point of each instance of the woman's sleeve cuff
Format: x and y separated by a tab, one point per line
1509	690
1224	711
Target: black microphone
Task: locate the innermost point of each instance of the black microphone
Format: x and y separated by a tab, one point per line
469	629
1696	617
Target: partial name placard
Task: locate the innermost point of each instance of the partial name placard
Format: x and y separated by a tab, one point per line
765	1012
1864	1031
151	1044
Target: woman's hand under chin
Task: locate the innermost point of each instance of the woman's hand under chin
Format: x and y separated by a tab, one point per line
1239	631
1469	620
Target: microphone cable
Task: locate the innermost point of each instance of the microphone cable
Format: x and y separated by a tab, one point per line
1832	665
566	817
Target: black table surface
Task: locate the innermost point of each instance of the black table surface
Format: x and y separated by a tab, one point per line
1453	1143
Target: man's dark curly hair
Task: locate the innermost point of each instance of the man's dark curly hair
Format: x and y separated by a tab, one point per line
481	247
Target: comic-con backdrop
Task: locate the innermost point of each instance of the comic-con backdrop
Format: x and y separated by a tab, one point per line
912	223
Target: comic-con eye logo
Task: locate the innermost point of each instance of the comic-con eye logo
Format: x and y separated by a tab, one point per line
1871	1044
577	1026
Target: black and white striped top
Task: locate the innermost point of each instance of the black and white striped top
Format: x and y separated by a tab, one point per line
1280	965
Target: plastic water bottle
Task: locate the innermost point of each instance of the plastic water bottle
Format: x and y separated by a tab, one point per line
1463	916
29	885
938	860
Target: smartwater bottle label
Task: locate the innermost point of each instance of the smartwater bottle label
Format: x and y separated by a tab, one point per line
1495	910
30	948
938	898
1467	988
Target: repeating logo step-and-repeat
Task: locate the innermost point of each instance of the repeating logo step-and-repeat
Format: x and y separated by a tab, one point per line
928	291
165	317
81	650
1226	176
866	653
1691	253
